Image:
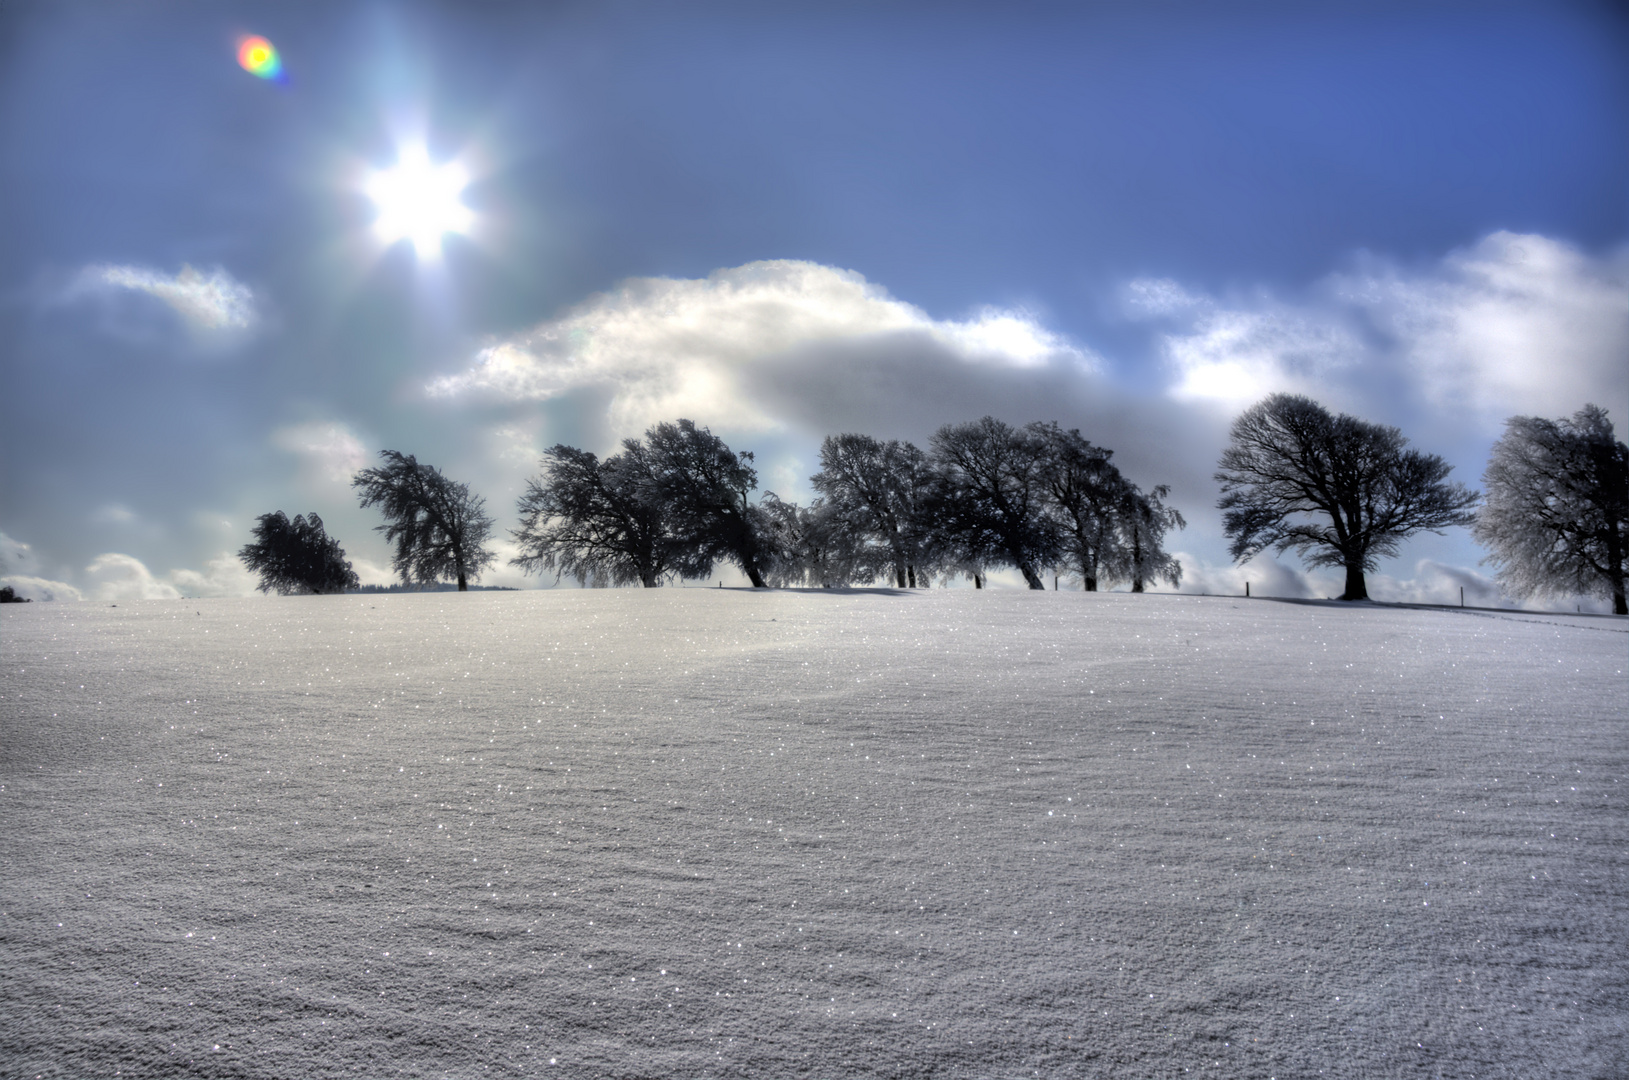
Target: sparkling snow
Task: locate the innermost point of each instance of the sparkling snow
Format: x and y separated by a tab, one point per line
724	833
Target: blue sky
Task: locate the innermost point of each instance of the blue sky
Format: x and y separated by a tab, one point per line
782	221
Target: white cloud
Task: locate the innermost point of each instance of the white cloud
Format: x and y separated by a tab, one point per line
666	348
224	575
20	569
1264	576
215	301
123	577
328	450
34	588
1513	323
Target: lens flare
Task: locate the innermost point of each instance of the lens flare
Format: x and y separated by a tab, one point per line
259	57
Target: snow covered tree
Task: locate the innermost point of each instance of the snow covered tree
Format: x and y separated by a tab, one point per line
1144	521
877	489
600	521
1557	510
1087	495
1337	490
704	491
813	546
297	556
990	498
439	529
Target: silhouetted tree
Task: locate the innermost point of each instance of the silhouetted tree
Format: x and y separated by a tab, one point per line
1557	511
599	521
989	498
703	489
8	595
1337	490
878	491
439	529
297	556
1144	521
1087	496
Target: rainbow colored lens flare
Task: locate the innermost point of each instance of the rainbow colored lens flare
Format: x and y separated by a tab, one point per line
259	57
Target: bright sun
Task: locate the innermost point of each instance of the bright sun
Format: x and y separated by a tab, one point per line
419	201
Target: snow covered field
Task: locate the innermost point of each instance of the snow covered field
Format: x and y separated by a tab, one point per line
705	833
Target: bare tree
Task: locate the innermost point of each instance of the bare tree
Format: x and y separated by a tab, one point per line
1087	495
297	556
991	498
1144	521
1337	490
439	529
1557	511
598	521
878	489
704	490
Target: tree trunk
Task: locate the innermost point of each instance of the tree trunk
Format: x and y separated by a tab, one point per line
911	572
899	575
978	580
649	580
1355	588
463	585
755	577
1031	577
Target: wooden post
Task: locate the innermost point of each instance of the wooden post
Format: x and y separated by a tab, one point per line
1462	596
1247	590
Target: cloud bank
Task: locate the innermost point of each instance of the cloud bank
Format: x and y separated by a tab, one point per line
664	348
1514	323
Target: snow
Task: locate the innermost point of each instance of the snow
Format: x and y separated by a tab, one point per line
726	833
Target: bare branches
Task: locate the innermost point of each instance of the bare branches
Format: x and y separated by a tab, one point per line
1335	489
439	529
1557	511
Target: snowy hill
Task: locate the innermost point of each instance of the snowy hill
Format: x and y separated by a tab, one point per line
783	834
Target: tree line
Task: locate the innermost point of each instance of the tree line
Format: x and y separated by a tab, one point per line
986	494
1337	490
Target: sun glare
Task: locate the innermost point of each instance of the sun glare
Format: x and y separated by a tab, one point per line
419	201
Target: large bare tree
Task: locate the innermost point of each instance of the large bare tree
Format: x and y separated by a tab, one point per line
877	489
992	498
1557	511
1335	489
598	521
439	529
704	490
1087	495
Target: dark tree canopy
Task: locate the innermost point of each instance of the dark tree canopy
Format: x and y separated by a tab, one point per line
439	529
600	521
1087	495
1144	521
1557	511
1335	489
704	491
297	556
991	497
877	491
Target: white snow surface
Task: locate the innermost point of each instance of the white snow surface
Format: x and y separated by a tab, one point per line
867	833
